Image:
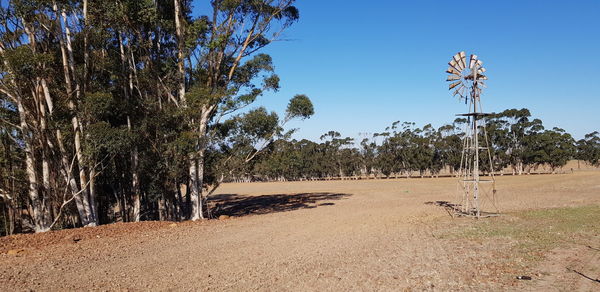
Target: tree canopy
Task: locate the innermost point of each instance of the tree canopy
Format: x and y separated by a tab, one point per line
130	110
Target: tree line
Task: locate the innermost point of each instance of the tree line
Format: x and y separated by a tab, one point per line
129	110
113	110
517	143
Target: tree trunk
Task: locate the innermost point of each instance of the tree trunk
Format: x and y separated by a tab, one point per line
9	219
137	202
161	209
180	54
135	181
195	189
9	181
39	212
38	209
86	55
83	178
196	160
93	206
65	169
179	203
68	68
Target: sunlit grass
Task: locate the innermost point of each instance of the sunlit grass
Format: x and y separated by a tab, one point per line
534	232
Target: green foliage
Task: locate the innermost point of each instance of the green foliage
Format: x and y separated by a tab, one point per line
249	70
116	97
198	96
403	149
107	139
271	82
588	149
300	107
552	147
100	106
258	124
23	63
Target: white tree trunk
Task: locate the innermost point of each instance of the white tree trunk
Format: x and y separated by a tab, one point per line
93	206
195	191
197	164
68	68
196	160
135	177
44	147
86	55
40	214
83	179
162	210
66	170
39	211
137	205
180	54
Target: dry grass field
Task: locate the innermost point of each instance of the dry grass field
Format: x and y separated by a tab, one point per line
336	236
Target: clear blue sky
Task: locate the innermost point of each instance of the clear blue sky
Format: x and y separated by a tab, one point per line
366	64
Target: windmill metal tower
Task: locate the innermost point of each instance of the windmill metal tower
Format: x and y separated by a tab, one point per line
477	193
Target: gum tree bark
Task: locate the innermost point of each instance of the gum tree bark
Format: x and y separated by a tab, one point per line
195	160
83	201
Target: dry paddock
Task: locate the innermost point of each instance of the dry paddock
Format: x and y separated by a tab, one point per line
311	236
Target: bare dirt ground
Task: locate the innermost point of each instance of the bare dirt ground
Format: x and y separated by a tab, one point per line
328	235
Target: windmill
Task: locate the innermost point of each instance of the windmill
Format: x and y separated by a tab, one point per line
467	82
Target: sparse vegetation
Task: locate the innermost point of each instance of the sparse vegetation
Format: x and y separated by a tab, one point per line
533	233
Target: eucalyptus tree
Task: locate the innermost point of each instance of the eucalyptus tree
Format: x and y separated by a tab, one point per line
449	145
368	152
243	137
333	146
278	159
386	160
499	143
423	152
516	126
550	147
588	148
13	179
40	82
313	158
101	100
218	62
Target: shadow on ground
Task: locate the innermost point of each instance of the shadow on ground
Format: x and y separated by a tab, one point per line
457	210
449	207
237	205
